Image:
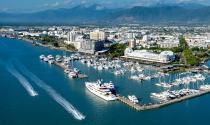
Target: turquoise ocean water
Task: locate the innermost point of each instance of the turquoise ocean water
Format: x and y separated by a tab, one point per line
56	91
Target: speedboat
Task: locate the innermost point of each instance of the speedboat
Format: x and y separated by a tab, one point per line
50	57
42	57
164	85
100	67
134	77
67	71
76	70
72	75
46	59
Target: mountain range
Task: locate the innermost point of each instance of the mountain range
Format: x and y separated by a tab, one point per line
97	14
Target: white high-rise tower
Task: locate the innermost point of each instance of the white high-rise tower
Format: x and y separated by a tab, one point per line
71	36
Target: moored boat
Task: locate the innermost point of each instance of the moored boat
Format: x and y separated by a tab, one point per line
133	98
101	90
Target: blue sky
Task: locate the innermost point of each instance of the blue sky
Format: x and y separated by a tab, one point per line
37	5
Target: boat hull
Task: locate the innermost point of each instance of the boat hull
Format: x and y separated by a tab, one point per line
107	98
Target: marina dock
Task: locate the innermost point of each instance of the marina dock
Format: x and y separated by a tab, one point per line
81	76
128	102
60	65
140	107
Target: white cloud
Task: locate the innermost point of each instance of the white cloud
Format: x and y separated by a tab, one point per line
67	1
4	9
55	4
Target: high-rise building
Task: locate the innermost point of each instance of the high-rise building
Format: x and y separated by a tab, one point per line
71	36
208	36
145	38
130	35
91	46
132	43
97	35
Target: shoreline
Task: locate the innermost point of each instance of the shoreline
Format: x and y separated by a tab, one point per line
44	45
182	68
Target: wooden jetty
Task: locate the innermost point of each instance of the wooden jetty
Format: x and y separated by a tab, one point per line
139	107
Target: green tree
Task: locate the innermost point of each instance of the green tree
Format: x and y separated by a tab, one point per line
70	47
190	58
56	44
49	39
117	50
177	49
183	43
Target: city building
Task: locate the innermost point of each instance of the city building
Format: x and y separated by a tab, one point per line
197	41
169	43
130	35
144	55
145	38
71	37
30	34
74	39
91	46
97	35
132	43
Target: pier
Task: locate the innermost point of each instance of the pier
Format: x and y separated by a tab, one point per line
61	65
128	102
140	107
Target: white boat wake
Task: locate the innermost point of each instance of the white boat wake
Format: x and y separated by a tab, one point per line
58	98
10	68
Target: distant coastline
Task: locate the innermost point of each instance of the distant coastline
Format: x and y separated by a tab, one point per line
173	70
43	45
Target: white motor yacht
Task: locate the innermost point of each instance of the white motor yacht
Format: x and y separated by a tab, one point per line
101	90
42	57
133	98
